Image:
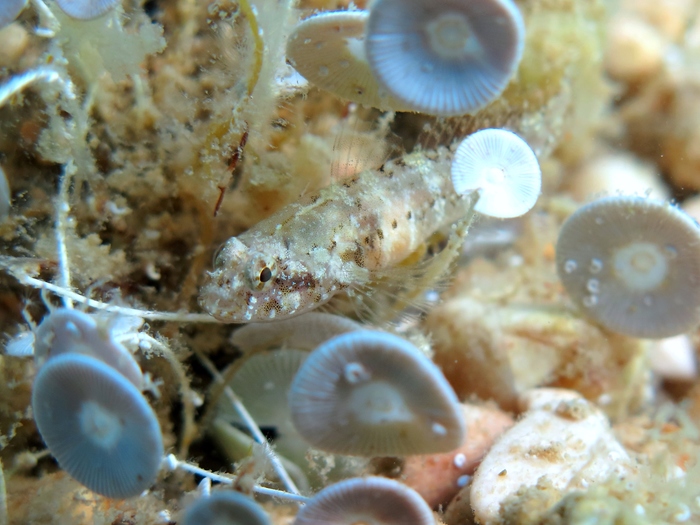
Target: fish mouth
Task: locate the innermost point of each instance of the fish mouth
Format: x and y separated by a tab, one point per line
216	299
225	299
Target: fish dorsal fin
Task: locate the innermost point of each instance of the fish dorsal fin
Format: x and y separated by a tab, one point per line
363	143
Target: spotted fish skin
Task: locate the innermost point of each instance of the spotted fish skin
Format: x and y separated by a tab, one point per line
335	239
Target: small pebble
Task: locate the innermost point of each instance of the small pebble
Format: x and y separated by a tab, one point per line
635	50
438	477
13	43
673	359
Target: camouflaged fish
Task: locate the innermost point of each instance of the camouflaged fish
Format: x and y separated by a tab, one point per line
341	238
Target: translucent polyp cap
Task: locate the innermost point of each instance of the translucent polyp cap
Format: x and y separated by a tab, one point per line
86	9
370	393
375	500
66	330
444	57
262	382
502	167
97	425
225	508
328	50
9	10
304	332
633	265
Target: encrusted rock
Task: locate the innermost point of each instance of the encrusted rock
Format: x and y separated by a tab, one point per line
497	351
562	444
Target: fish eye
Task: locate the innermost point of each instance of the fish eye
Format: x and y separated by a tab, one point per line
261	270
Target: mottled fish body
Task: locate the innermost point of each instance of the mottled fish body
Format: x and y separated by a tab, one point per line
338	238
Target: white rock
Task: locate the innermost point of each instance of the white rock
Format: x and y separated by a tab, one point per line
562	438
673	358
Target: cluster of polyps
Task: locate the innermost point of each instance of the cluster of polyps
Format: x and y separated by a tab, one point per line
373	397
371	499
361	392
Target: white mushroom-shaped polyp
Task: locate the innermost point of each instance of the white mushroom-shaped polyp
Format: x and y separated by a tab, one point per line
445	57
633	265
371	500
97	425
86	9
502	168
328	50
225	508
370	393
69	331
